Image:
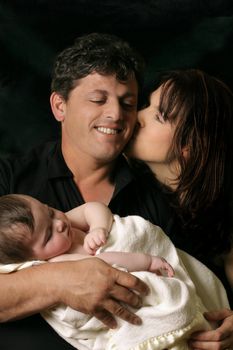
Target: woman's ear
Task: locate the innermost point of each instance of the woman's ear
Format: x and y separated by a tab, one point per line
58	106
185	152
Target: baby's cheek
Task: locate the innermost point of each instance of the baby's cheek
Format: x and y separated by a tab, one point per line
54	247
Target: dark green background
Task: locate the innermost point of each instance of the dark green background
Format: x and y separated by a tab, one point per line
170	34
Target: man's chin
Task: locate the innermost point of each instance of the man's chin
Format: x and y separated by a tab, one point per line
109	155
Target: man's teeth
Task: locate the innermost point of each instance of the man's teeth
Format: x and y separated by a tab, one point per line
107	130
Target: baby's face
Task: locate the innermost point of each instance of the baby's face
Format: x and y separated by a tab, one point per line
52	235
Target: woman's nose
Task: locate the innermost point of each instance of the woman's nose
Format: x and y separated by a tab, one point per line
140	120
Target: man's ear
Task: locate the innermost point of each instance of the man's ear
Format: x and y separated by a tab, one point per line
58	106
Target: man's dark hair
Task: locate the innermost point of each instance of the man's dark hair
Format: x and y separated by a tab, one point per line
96	52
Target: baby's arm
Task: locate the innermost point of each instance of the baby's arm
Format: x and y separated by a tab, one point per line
138	262
94	217
130	261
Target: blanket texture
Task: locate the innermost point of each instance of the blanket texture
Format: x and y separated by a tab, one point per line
170	313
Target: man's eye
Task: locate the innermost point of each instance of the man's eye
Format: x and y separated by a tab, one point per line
98	101
128	105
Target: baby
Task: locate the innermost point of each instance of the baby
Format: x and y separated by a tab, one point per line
31	230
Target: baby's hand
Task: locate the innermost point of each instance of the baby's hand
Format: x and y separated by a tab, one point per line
160	266
95	239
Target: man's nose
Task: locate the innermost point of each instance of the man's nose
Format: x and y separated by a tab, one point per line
114	111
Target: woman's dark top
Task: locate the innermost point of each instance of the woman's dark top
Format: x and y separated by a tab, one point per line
204	238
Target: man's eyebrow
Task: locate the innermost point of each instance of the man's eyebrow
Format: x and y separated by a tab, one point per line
105	92
130	94
98	91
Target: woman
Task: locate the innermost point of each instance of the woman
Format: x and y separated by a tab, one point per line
184	138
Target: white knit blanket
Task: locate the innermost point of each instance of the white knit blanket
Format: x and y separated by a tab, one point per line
170	313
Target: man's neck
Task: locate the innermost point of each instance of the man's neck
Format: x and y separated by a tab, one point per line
91	176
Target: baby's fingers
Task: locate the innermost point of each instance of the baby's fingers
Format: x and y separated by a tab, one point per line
90	246
169	269
99	240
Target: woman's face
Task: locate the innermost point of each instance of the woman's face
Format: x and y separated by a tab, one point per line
153	138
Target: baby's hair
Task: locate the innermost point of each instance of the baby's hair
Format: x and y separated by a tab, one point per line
16	227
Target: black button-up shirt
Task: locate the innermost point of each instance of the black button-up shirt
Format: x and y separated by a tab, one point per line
43	174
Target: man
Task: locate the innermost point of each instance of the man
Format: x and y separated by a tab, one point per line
94	97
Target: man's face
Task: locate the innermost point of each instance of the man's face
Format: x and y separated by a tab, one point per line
99	117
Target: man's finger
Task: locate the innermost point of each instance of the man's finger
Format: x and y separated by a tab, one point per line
126	296
120	311
132	282
106	317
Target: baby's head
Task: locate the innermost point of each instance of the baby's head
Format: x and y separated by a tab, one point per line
16	227
31	230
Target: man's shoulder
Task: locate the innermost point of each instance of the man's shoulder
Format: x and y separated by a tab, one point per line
17	171
36	155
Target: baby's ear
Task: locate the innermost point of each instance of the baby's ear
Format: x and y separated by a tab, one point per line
58	106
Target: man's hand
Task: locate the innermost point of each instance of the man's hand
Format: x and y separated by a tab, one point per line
95	288
218	339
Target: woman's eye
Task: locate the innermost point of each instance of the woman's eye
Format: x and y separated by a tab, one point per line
159	117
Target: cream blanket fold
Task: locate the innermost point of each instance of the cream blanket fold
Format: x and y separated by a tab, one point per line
170	313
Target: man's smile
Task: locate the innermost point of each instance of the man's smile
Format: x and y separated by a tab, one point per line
108	131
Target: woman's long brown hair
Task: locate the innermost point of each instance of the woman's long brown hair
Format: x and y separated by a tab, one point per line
202	107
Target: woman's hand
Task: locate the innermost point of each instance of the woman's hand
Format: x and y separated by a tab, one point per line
220	338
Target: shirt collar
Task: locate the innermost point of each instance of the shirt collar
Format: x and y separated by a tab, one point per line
56	164
122	175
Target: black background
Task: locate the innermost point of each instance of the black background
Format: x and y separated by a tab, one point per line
170	34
